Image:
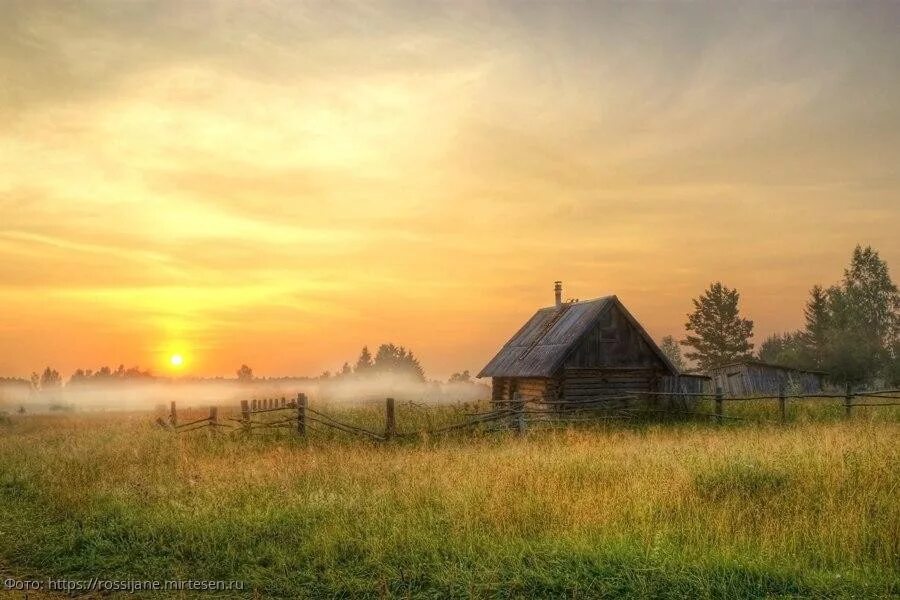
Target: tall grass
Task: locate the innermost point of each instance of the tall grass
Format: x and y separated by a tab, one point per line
661	510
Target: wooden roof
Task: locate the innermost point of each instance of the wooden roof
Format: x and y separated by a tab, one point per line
541	346
761	363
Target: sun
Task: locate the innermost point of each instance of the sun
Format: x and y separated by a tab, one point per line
176	360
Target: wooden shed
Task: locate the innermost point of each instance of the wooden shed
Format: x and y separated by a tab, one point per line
579	351
754	377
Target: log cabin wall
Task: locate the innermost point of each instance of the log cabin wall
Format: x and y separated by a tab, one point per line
613	358
530	389
584	384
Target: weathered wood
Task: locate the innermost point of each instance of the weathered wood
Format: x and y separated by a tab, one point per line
719	398
390	423
213	415
520	416
848	400
245	413
782	403
173	415
254	404
301	413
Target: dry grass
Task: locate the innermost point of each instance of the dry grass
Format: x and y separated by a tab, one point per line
650	510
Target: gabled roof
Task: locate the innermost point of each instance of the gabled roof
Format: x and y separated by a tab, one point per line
541	346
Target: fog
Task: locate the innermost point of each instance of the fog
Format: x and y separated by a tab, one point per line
155	393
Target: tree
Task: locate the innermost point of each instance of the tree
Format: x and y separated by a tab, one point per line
364	362
717	333
853	328
245	374
398	360
814	337
463	377
346	370
50	379
786	349
670	348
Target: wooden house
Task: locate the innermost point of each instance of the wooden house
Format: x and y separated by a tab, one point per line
579	351
754	377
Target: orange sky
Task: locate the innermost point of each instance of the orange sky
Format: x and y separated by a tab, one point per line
279	184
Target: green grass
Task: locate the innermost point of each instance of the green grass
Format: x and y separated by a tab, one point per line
651	510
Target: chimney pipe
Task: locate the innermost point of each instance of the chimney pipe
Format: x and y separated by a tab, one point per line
557	290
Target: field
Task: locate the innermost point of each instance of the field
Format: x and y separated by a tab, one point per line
648	509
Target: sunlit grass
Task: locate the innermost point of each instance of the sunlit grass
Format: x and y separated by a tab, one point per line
646	509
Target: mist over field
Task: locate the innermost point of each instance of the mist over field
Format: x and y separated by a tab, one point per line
151	395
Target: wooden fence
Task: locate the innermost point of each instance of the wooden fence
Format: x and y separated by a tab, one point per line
517	416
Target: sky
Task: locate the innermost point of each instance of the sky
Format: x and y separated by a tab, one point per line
278	184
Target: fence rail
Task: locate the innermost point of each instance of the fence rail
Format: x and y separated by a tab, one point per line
517	415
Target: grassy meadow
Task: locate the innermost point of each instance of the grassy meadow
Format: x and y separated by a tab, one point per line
650	509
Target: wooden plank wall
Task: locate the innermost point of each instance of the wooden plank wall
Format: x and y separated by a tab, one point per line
744	380
582	384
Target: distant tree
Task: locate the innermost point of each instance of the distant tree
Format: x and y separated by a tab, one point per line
463	377
397	360
364	362
854	331
787	349
814	336
346	370
717	333
35	381
325	375
892	369
77	377
50	379
136	373
245	374
672	351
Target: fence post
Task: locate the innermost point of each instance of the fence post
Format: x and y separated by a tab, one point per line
173	415
245	413
848	400
214	416
520	415
390	422
718	404
781	403
301	413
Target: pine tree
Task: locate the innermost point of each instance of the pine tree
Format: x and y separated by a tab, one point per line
814	337
862	331
364	362
786	349
397	359
717	333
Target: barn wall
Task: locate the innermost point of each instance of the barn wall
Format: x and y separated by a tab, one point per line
529	389
614	342
752	379
584	384
686	384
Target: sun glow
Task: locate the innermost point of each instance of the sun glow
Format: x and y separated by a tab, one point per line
176	360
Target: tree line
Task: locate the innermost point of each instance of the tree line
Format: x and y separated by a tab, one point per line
851	329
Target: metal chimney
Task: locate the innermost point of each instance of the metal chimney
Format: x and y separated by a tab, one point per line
557	290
